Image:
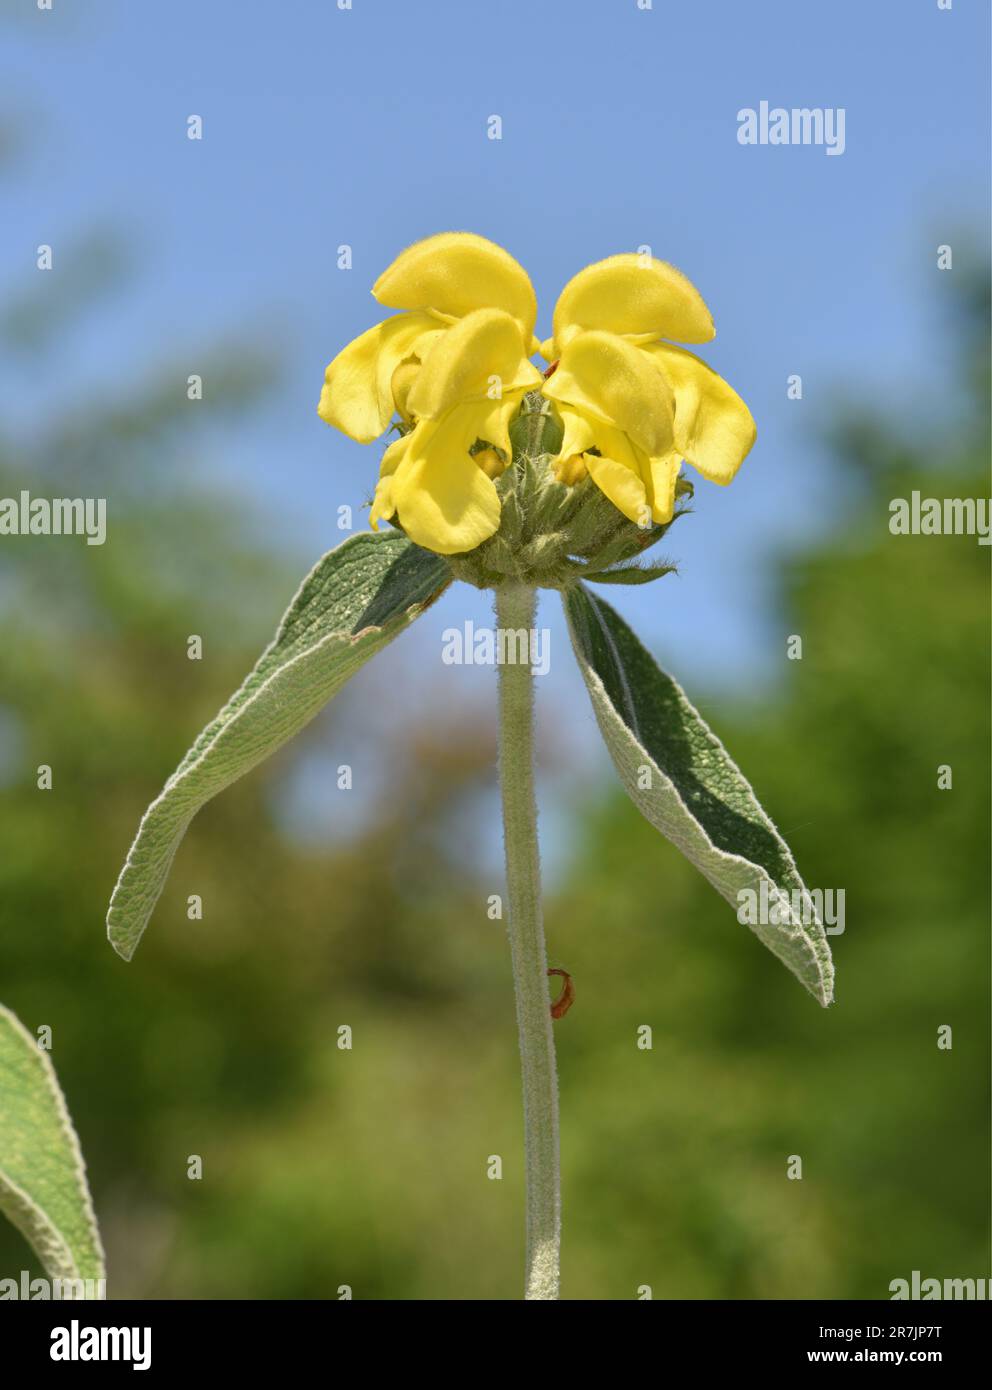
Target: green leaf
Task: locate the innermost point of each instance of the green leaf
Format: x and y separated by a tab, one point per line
43	1188
697	796
354	601
629	574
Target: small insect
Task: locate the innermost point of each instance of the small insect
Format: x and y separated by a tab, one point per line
566	999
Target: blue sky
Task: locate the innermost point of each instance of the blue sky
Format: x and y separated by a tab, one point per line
368	126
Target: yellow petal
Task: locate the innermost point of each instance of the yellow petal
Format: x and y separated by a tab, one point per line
714	430
426	341
383	506
401	383
579	434
357	398
456	272
395	455
663	474
494	424
620	471
607	377
622	485
479	355
444	500
633	294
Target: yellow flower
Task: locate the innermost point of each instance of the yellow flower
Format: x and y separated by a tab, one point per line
454	365
642	404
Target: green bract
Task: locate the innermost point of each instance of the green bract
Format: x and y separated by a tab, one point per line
550	534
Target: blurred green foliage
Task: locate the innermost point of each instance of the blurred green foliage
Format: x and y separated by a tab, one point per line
325	1167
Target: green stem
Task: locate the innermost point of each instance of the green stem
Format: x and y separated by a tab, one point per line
515	610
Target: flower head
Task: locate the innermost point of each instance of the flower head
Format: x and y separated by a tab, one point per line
454	366
634	406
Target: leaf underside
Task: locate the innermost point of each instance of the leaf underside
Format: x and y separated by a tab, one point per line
354	601
697	796
43	1188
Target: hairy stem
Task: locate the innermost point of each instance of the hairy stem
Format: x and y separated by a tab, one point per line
515	612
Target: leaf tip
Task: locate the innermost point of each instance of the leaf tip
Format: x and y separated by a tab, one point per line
122	944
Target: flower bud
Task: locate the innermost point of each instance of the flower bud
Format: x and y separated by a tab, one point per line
490	462
571	470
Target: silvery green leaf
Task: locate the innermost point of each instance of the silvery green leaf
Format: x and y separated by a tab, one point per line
354	601
43	1188
681	778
